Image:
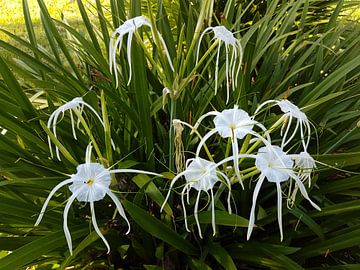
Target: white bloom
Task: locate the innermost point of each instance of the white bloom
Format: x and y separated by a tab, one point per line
235	124
76	104
277	167
305	164
231	44
90	183
291	111
129	27
201	175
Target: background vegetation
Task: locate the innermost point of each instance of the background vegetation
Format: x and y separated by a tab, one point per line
306	51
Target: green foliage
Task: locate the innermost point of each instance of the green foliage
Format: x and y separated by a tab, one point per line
301	50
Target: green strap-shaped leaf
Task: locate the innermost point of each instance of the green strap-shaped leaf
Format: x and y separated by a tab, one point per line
158	229
221	255
342	241
17	92
338	208
92	237
221	218
306	219
151	189
340	160
44	245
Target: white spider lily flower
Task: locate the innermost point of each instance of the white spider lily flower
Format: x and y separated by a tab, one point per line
235	124
201	175
291	111
129	27
76	104
306	165
233	46
90	183
276	166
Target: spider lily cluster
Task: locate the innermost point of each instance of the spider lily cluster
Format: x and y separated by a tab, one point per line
92	180
273	163
248	137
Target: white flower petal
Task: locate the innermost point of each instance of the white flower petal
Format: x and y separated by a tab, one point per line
93	219
56	188
119	208
279	209
252	211
196	213
65	225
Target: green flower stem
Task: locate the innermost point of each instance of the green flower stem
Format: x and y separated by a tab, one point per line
106	129
249	169
172	134
152	61
88	131
202	59
199	25
255	172
158	43
271	129
200	137
227	152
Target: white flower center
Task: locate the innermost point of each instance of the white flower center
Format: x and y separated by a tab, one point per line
89	182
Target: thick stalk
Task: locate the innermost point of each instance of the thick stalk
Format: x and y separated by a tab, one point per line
172	133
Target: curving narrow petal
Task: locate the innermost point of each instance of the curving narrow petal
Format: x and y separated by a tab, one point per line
171	185
292	135
252	211
197	124
240	60
184	208
199	42
196	213
264	104
93	219
235	149
73	124
134	171
166	51
229	193
217	67
56	188
279	209
203	140
213	211
304	192
56	116
65	225
129	55
119	208
227	73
